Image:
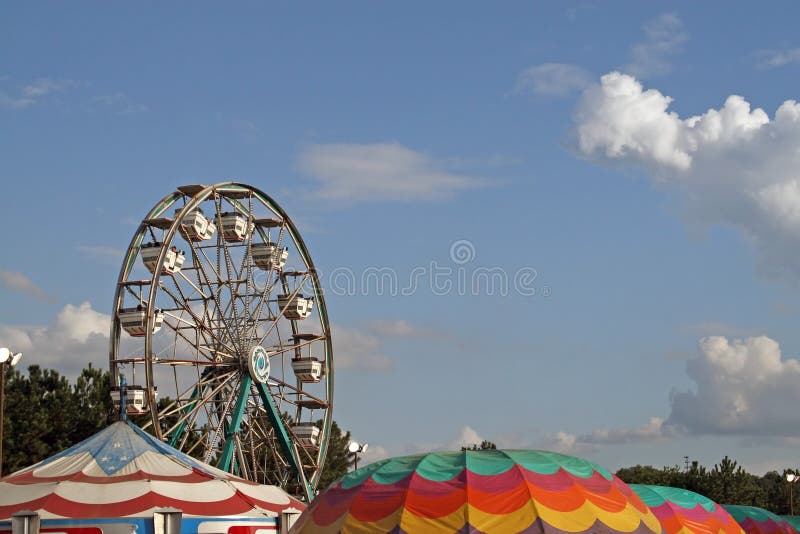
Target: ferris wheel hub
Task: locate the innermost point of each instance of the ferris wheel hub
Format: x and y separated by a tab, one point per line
258	364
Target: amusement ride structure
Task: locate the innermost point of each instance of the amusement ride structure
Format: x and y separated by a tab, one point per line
221	331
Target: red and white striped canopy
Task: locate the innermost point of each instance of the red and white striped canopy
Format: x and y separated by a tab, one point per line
124	472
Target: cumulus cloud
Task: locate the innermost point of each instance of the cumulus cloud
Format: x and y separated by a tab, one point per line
563	442
743	386
653	430
552	79
351	173
20	283
78	335
467	437
664	37
734	165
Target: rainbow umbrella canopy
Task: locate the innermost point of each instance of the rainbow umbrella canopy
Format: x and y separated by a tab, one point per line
479	491
759	521
682	511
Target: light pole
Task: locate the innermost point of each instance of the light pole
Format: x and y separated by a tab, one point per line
6	356
791	478
356	448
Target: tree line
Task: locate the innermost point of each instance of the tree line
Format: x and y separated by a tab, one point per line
45	414
725	483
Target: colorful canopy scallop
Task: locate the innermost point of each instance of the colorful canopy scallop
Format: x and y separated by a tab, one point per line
479	492
682	511
759	521
793	520
125	472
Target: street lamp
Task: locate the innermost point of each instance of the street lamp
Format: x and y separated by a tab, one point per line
356	448
791	478
6	356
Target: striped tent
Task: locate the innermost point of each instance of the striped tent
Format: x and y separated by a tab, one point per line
123	472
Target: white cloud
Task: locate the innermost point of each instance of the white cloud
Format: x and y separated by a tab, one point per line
32	93
553	79
743	386
351	173
20	283
77	336
103	253
733	165
116	103
717	328
467	437
563	442
398	328
770	59
664	37
356	349
374	453
653	430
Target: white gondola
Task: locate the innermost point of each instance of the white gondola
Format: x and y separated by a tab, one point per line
269	256
195	226
307	434
136	401
296	307
173	259
235	228
134	320
308	369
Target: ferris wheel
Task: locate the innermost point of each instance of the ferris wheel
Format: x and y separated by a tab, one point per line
221	331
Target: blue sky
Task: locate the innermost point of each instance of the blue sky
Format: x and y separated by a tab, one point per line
537	135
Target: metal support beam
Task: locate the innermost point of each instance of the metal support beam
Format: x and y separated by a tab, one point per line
289	451
236	422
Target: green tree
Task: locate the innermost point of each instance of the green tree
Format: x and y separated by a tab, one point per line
339	459
39	416
484	445
93	404
647	474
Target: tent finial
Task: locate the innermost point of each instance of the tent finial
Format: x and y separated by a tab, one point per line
123	399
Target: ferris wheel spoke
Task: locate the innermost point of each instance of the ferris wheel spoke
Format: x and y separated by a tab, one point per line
194	406
232	277
198	324
214	297
282	311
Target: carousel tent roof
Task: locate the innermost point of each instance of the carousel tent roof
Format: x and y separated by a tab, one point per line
124	472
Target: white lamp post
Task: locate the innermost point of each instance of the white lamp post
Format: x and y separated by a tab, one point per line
791	478
356	448
6	356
